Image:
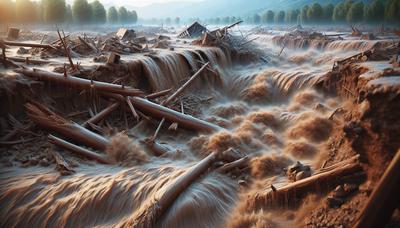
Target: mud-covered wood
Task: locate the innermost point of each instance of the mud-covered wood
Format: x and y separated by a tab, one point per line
384	199
78	150
101	115
76	82
151	215
287	194
53	122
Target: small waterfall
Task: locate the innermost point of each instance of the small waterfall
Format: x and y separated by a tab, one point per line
170	69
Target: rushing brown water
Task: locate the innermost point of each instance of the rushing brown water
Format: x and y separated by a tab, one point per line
269	111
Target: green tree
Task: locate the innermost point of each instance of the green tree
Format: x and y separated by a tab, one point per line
81	11
356	13
54	11
122	15
315	13
25	11
291	16
392	12
303	14
168	21
339	13
256	19
99	15
328	12
375	12
112	15
270	16
177	20
134	17
280	17
264	17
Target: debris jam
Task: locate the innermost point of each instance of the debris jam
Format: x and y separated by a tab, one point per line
232	127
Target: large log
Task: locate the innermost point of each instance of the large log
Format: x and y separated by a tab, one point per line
51	121
184	120
384	199
78	150
151	215
80	82
32	45
282	196
159	111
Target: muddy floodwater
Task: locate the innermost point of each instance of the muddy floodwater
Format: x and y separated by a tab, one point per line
279	104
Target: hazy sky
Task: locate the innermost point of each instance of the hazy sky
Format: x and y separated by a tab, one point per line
137	3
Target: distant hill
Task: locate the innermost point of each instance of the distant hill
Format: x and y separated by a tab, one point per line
220	8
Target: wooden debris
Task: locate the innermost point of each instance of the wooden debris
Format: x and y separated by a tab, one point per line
61	165
233	165
158	94
384	199
78	150
93	48
149	216
72	81
184	86
128	101
327	177
113	58
194	30
125	34
101	115
67	53
156	148
13	33
47	119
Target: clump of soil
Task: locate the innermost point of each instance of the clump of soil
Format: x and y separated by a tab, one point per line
123	150
268	165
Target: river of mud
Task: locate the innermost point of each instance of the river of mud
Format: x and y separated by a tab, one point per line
274	113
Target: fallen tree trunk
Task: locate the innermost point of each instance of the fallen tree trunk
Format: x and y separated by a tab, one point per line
184	120
152	214
78	150
384	199
80	82
32	45
101	115
282	196
49	120
160	112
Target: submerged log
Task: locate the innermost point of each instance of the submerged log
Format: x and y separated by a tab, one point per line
233	165
78	150
328	177
80	82
49	120
152	214
384	199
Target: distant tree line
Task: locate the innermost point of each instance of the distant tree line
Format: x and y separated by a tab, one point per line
57	12
162	21
349	11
